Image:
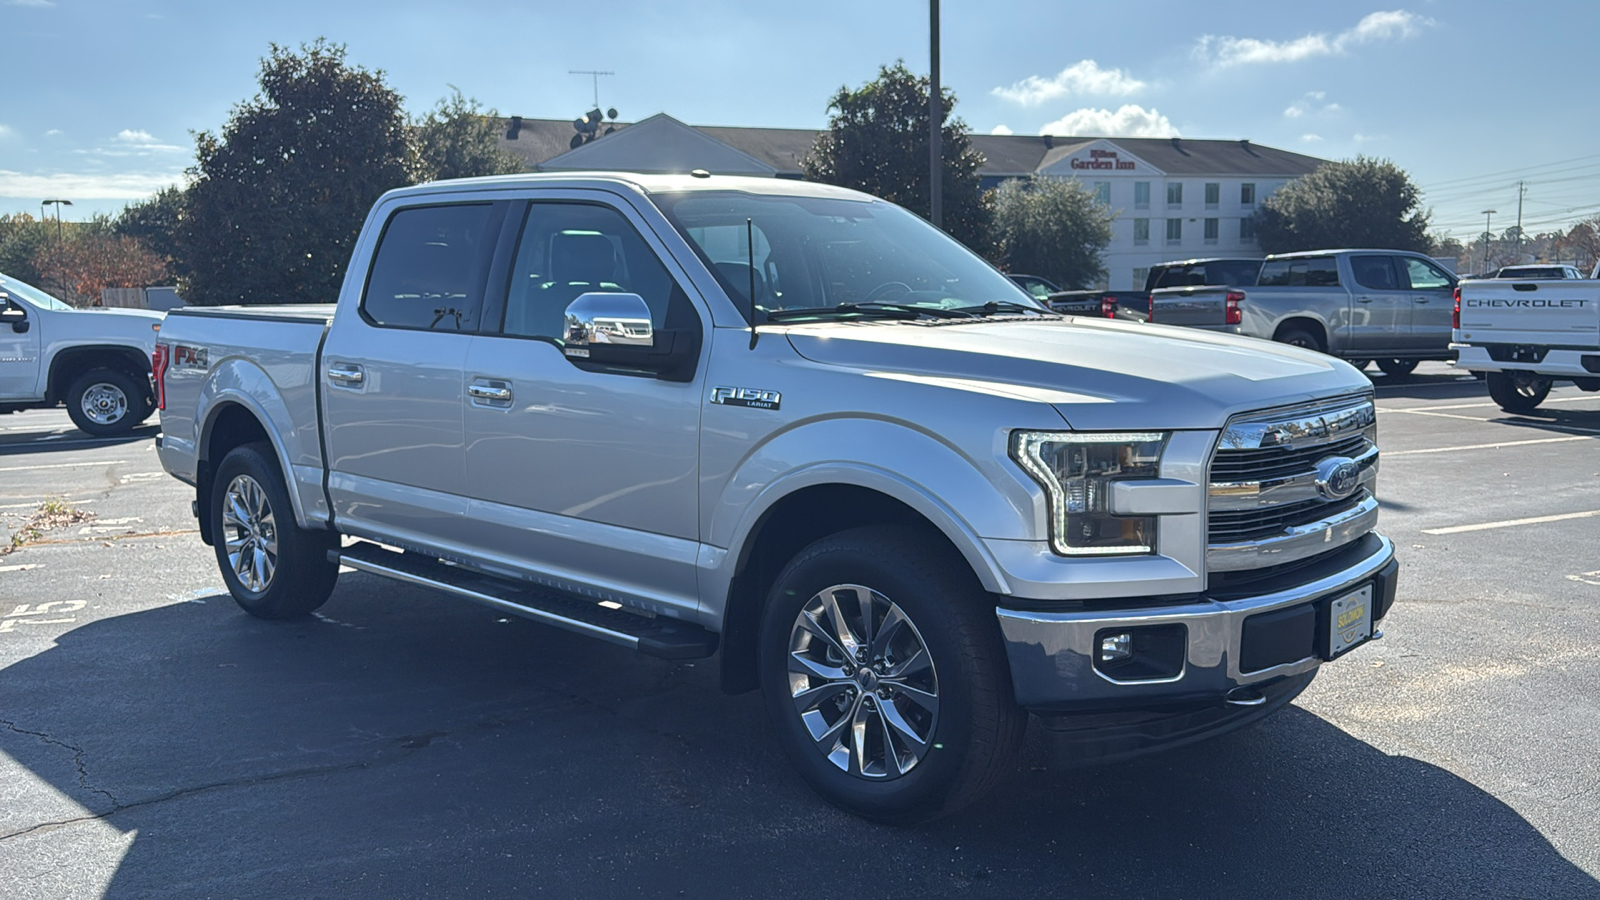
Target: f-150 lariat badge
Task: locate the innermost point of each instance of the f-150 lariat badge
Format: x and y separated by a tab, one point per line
754	398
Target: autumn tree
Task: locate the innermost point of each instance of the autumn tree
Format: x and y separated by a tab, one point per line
458	139
877	142
1051	227
1363	202
277	198
93	257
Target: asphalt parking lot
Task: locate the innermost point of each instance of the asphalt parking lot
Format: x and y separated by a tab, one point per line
156	741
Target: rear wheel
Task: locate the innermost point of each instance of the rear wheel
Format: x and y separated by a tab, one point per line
1518	392
884	675
1296	336
274	568
1397	368
106	402
1360	364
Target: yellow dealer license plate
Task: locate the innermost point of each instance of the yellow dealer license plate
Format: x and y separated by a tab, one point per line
1349	620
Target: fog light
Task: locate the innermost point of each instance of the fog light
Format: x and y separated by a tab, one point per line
1116	646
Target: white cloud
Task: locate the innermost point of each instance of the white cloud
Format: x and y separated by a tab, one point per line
1310	138
1360	138
1001	129
1128	121
1225	50
1084	77
1310	104
38	3
5	132
130	139
82	186
52	132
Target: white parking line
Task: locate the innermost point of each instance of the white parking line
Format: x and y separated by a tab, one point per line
1536	520
82	465
1427	412
1483	405
1393	453
32	504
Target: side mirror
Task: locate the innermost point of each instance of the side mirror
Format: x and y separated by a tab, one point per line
606	320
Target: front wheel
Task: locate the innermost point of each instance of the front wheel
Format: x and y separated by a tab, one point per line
883	673
1518	392
107	403
1397	368
273	568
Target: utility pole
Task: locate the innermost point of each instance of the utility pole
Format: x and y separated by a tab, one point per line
1522	188
935	121
1487	237
594	74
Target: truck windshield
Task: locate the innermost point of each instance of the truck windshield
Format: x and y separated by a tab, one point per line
826	254
28	292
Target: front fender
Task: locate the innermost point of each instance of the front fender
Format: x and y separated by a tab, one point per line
292	431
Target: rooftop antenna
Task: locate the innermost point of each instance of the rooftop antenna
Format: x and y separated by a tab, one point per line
595	75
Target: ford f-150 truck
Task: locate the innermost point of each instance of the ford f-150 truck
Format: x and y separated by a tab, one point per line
1525	335
801	429
97	361
1359	305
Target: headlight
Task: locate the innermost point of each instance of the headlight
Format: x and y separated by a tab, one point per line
1076	471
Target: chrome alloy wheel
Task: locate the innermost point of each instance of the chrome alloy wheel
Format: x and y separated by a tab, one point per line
250	532
104	403
863	682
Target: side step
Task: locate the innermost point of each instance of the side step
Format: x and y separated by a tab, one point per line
653	635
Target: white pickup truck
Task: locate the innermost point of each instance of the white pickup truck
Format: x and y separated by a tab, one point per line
97	361
801	429
1527	334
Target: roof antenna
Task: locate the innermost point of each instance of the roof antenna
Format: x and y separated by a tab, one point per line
750	251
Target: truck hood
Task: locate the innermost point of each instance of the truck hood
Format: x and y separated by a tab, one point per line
1098	374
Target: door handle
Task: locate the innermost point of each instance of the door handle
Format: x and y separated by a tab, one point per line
486	392
345	374
1363	299
1420	299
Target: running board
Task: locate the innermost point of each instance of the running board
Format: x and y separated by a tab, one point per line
652	635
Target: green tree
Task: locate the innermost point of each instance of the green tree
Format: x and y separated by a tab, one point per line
877	142
154	223
22	240
276	199
1053	227
458	139
1363	202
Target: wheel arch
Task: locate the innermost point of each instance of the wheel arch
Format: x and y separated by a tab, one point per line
231	421
1315	326
71	363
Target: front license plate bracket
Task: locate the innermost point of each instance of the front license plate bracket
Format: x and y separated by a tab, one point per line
1349	622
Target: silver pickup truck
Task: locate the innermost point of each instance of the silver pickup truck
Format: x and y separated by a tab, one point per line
801	429
1392	306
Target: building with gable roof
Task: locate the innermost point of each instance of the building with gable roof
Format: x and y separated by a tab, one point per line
1174	198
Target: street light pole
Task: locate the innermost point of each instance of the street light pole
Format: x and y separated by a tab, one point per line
1487	237
58	204
935	121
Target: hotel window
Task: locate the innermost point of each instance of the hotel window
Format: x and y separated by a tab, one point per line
1141	195
1213	194
1102	192
1140	276
1175	193
1247	194
1174	231
1247	229
1211	231
1141	231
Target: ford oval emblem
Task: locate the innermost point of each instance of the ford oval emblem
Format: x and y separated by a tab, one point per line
1338	477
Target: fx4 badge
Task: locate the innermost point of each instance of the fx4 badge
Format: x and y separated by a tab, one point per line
751	397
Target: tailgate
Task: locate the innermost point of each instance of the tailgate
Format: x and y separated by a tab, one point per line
1193	306
1549	313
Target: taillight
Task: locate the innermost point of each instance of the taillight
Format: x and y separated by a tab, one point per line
158	368
1108	306
1455	315
1150	304
1233	315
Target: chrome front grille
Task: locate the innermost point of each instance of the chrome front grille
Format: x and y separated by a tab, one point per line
1293	483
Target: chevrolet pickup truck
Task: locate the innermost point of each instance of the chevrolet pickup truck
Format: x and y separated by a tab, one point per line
803	430
1389	305
1526	335
97	361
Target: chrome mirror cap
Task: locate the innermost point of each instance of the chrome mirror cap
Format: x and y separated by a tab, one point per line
612	319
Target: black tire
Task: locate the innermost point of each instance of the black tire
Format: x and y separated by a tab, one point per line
1300	337
973	735
1397	368
1360	364
107	403
1518	392
300	577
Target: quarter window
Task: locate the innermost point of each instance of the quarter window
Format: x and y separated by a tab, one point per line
429	270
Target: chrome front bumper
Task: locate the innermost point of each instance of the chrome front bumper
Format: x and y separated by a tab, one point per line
1052	650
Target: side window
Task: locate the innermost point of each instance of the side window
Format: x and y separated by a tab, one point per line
1375	272
568	249
429	269
1322	271
1274	273
1425	276
1239	273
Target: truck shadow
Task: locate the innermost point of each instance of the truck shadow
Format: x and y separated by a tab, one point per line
56	437
1554	419
404	744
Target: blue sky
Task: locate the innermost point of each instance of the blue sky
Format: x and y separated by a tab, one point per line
99	97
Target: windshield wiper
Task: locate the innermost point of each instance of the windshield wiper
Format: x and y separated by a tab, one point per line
901	311
994	307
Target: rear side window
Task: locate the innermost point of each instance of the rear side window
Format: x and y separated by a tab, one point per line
1375	272
1319	271
429	269
1233	272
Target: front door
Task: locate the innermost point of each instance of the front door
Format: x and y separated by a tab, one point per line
19	351
393	397
1380	306
579	474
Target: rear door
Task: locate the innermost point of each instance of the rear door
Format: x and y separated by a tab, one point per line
1432	292
1380	305
580	474
391	370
